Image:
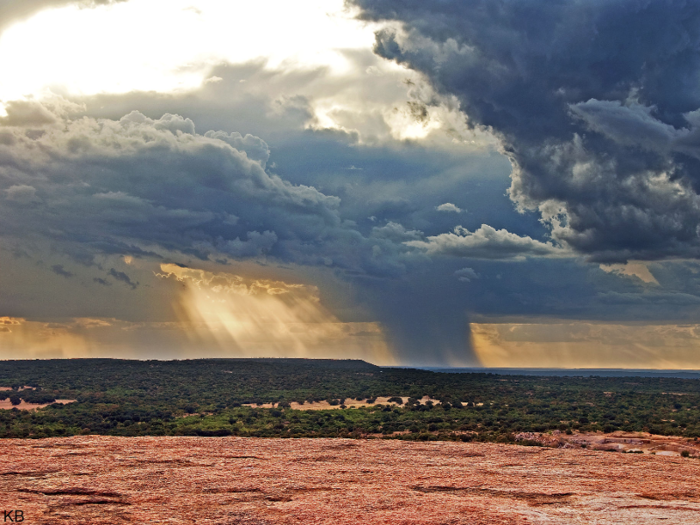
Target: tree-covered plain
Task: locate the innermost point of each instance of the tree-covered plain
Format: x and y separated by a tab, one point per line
206	397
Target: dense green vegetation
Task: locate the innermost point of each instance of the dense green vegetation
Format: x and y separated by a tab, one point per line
206	397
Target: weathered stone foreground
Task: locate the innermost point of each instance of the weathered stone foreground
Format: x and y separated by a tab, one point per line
255	481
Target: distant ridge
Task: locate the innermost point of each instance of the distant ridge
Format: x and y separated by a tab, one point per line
569	372
327	363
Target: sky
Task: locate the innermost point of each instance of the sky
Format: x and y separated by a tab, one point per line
511	183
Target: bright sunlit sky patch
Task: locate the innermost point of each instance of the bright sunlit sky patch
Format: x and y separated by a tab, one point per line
317	143
166	45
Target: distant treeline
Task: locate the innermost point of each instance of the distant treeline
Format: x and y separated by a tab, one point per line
205	397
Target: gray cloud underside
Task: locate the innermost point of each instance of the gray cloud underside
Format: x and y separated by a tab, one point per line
137	185
108	184
94	189
593	101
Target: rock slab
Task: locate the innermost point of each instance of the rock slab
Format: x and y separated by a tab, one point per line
255	481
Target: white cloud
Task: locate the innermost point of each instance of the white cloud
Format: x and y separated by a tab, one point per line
449	207
485	243
346	86
21	193
306	34
395	231
466	275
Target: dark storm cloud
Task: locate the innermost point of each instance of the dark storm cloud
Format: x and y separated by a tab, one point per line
96	188
59	270
374	214
122	277
392	181
139	186
594	102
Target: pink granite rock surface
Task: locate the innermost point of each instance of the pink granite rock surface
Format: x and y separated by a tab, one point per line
253	481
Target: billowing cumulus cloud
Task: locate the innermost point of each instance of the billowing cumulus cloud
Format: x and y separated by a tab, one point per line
25	112
449	207
594	102
396	232
21	193
139	184
466	275
485	243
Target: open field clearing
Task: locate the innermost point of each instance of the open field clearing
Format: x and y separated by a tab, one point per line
231	480
347	403
5	404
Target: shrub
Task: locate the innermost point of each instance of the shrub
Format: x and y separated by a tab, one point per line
40	399
15	400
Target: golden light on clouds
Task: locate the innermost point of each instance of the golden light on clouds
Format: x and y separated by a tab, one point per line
22	339
220	315
266	318
170	46
584	344
638	269
91	337
95	337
